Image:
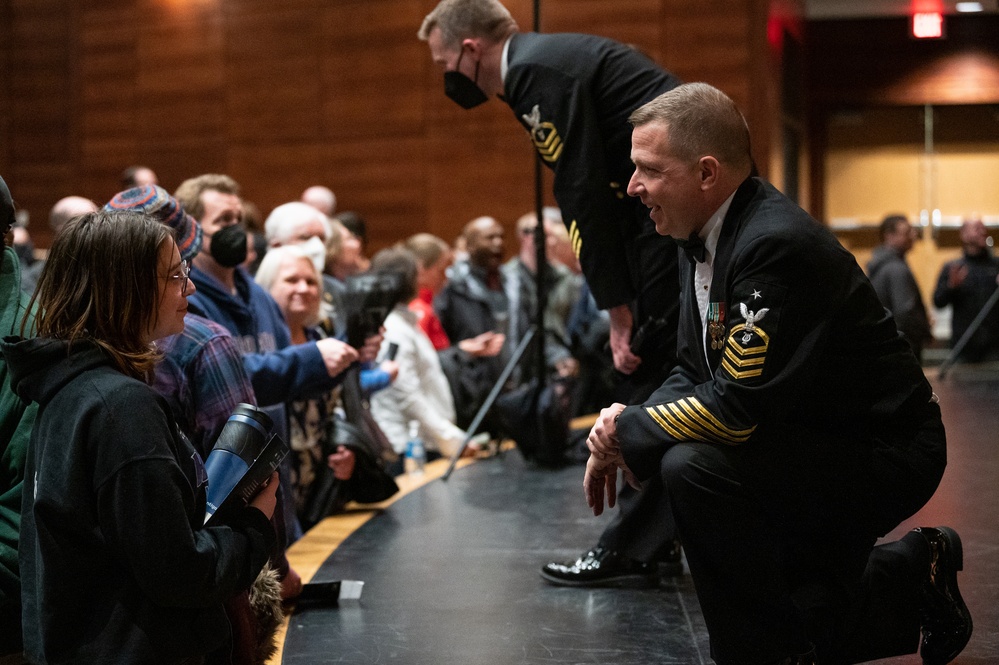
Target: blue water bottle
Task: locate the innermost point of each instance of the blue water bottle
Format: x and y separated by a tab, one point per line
416	453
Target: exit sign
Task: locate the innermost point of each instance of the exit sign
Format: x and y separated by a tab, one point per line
927	25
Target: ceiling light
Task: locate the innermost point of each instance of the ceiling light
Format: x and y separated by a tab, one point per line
969	7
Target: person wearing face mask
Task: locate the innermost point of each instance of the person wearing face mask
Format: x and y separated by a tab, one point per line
573	94
278	369
306	228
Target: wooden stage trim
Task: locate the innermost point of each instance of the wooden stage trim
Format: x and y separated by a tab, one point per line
309	553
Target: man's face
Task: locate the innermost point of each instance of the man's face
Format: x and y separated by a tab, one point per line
221	211
902	237
307	230
446	59
671	188
974	235
485	244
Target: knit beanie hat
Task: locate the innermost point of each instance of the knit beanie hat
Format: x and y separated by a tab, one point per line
156	202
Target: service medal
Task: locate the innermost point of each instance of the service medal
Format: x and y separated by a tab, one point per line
716	324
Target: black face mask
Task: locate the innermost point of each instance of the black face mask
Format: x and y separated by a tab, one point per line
462	90
228	246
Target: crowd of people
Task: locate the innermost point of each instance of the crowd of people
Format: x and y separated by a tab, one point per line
713	315
217	320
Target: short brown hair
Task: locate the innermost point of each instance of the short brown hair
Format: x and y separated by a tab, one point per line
427	248
702	120
398	261
190	191
101	282
890	224
462	19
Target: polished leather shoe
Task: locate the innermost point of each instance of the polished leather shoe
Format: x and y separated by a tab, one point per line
601	567
946	622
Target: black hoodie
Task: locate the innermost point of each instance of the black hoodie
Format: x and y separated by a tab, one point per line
116	566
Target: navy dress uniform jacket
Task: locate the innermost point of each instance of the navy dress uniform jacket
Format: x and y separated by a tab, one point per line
574	93
804	348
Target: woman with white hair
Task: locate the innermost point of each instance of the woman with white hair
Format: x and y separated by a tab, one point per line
289	274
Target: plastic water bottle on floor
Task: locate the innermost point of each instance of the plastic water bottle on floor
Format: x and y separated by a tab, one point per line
416	452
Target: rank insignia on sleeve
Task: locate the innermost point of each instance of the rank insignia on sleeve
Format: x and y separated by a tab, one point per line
575	238
747	345
544	135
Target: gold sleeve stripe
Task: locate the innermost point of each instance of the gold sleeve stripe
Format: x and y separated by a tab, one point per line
696	404
665	425
575	238
672	413
688	420
711	426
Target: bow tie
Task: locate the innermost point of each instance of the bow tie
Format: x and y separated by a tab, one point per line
693	247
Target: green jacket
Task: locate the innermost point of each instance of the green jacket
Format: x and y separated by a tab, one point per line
16	420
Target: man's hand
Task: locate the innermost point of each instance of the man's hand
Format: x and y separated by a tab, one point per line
391	368
336	354
602	440
600	475
486	345
342	462
956	275
372	344
621	324
601	478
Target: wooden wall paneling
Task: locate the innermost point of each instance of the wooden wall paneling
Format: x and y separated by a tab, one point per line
273	87
40	87
272	172
372	69
383	179
106	104
181	111
480	173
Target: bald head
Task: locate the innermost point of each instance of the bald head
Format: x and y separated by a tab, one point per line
484	240
321	198
67	208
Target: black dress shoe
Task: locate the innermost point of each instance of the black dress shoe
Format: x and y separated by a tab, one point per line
601	567
946	620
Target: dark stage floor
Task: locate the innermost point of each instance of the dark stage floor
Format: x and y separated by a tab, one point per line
451	570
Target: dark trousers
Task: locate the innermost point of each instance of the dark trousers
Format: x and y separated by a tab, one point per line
779	535
642	528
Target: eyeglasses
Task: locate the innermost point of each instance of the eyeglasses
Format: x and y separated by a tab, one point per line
182	274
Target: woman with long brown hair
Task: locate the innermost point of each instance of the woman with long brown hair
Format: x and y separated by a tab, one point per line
116	564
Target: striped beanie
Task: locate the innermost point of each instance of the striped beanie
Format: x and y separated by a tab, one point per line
157	203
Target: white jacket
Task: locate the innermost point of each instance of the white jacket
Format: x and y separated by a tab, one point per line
420	392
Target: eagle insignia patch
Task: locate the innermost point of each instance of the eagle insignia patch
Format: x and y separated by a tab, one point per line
746	349
544	135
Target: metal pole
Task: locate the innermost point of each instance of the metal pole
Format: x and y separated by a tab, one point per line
966	337
493	394
541	264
